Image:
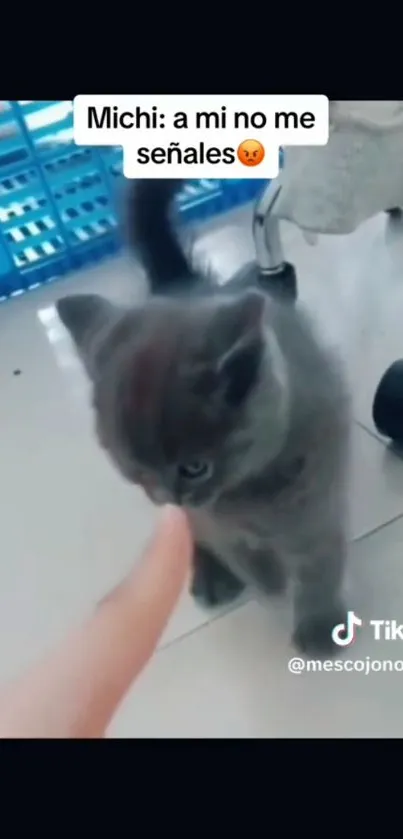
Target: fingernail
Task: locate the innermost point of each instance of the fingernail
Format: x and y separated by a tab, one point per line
170	512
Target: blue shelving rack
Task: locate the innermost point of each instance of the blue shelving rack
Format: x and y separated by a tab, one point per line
58	201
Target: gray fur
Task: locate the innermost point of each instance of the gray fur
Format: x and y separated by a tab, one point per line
237	379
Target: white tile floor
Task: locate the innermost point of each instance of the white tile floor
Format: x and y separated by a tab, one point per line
70	526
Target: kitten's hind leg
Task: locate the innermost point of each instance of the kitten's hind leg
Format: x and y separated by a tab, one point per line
318	601
213	584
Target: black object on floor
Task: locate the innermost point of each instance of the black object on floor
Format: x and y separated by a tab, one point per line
387	408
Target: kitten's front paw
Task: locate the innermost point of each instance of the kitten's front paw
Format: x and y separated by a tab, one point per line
313	635
212	584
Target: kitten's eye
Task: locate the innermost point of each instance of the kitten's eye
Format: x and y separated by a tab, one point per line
195	470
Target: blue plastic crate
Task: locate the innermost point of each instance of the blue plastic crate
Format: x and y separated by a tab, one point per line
58	201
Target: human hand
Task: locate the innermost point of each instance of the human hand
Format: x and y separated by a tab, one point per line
75	691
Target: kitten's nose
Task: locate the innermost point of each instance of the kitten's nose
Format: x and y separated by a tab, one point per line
183	498
159	496
178	498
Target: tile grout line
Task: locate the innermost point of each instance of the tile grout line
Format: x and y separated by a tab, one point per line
384	524
241	602
388	445
372	433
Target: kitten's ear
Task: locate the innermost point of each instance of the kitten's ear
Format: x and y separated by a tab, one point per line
242	325
84	316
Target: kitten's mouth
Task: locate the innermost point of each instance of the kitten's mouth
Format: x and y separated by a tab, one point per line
158	498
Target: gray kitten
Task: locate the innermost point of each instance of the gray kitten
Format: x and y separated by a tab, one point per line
223	401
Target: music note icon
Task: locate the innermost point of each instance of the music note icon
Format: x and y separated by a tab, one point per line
343	634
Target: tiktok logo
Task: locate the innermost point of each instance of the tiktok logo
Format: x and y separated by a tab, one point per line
344	633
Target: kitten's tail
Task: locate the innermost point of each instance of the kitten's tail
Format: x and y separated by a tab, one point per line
150	233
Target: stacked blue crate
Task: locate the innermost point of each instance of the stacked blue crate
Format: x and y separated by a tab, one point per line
58	201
